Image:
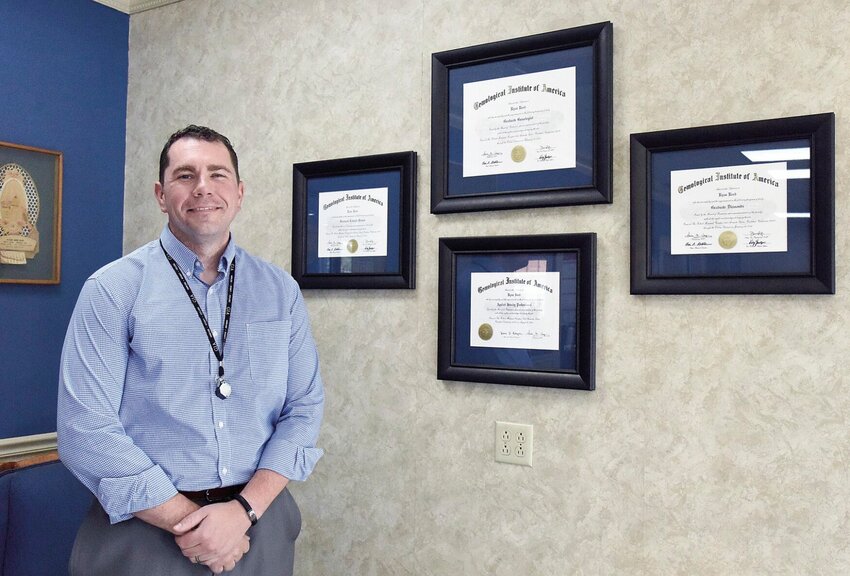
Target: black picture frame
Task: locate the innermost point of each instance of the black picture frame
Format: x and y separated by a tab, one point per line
396	173
589	49
806	266
570	363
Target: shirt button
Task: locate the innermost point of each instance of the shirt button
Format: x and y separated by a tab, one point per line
220	424
224	471
215	332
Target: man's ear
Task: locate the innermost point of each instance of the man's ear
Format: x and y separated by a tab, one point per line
241	192
159	194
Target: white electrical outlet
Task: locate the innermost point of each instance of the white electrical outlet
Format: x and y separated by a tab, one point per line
514	443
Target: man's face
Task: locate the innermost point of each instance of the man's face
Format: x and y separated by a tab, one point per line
200	193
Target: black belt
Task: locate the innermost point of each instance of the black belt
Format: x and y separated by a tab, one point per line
212	495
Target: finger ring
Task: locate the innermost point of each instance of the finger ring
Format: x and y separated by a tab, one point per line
197	559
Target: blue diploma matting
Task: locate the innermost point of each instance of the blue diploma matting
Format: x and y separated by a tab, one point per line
796	260
563	359
389	264
582	175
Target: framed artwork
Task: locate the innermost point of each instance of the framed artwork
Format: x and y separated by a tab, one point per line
745	208
30	214
354	222
518	310
523	123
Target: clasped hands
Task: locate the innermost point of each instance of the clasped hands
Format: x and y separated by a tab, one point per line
214	535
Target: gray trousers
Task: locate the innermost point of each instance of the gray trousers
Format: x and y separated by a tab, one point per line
135	548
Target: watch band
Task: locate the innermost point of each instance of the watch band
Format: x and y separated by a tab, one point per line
252	516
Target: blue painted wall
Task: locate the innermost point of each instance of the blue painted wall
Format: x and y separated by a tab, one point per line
63	86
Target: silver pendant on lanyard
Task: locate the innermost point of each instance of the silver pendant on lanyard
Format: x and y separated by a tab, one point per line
223	389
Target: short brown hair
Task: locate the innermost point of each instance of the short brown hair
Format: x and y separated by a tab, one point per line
201	133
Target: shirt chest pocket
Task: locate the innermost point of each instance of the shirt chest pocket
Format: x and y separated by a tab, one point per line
268	352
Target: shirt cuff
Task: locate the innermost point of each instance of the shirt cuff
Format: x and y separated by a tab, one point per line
122	497
290	460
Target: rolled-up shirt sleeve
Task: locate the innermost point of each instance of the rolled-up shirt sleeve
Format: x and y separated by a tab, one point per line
92	441
291	450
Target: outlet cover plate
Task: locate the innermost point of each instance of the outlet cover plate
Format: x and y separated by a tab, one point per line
513	443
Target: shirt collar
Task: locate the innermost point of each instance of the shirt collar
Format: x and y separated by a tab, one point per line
187	259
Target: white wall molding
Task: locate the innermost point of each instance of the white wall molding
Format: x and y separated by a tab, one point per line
135	6
11	448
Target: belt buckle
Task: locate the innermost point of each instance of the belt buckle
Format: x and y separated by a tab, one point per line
213	498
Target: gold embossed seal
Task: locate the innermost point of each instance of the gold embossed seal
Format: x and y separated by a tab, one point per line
352	246
727	240
485	331
518	153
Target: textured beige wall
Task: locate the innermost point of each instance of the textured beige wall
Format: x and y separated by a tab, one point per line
717	441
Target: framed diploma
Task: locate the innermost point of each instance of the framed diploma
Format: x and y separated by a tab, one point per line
30	214
523	123
354	222
744	208
518	310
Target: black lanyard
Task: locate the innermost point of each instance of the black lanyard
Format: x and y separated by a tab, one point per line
223	389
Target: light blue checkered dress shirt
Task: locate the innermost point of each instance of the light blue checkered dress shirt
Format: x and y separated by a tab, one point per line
138	418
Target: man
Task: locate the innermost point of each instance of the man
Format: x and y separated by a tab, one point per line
189	392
